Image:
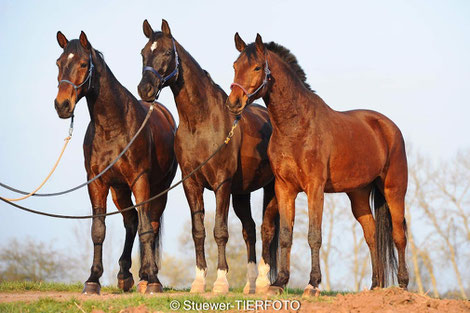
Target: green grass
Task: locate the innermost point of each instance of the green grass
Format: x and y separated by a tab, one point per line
159	303
18	286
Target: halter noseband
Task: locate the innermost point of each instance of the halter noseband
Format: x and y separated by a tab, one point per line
267	73
164	80
88	78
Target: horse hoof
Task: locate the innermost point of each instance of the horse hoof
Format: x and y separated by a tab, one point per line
311	292
275	291
91	288
262	290
197	287
142	286
249	289
154	288
126	284
220	288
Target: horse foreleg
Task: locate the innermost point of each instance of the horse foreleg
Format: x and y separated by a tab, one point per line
98	193
315	196
285	195
222	198
194	194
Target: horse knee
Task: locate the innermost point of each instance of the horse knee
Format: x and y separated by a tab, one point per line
314	239
98	230
221	235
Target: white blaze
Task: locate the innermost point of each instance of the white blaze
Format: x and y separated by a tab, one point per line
153	46
71	55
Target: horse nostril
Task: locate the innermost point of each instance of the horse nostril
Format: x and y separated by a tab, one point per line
66	104
56	104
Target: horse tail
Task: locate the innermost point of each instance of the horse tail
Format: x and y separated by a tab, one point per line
273	250
386	256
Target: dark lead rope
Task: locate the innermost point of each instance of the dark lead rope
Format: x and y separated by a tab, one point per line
226	141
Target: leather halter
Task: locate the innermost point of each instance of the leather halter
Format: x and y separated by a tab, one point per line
88	78
165	79
267	74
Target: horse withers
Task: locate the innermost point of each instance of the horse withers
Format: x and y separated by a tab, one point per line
316	149
147	168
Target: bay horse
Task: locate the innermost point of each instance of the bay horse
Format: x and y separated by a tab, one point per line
316	149
240	168
147	168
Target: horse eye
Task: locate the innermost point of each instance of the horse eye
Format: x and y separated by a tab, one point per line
168	52
257	68
83	65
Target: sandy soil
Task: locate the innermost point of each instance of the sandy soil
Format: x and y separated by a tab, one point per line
382	300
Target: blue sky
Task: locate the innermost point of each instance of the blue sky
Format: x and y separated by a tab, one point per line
406	59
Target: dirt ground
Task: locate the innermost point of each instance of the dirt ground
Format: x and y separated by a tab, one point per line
382	300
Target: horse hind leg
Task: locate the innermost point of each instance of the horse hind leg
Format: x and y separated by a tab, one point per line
222	197
267	269
395	197
122	199
362	212
148	271
157	207
242	208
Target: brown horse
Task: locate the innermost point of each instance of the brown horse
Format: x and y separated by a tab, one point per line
315	149
147	168
239	168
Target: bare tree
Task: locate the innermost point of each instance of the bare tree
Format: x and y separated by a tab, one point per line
441	195
34	261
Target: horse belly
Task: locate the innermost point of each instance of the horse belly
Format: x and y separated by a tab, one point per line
354	169
254	169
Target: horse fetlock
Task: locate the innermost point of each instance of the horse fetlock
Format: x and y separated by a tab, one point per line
199	283
125	283
221	285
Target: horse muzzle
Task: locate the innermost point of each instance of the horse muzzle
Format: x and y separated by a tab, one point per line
146	92
64	109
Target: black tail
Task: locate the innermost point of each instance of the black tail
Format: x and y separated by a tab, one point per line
386	257
273	251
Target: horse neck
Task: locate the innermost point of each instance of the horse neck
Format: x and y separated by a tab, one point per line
108	102
288	100
197	98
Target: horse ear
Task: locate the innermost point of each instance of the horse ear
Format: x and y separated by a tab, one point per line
84	41
166	28
148	31
239	43
259	44
62	40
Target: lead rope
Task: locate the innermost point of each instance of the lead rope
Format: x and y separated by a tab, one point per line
67	140
226	141
94	178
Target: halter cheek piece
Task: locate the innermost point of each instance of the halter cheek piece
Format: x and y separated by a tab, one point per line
75	87
88	78
267	74
164	80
